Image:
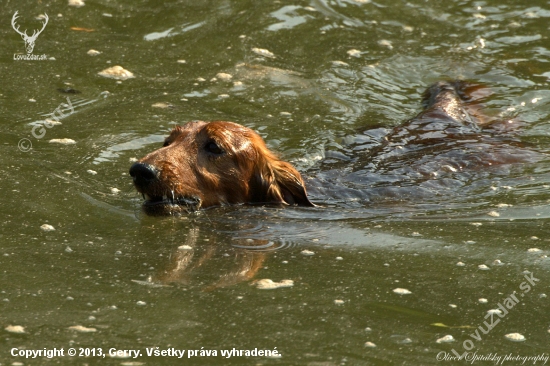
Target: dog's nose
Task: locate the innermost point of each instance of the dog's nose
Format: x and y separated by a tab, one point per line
143	174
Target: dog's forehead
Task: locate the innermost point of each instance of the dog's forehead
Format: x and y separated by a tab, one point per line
187	128
226	131
181	132
222	127
230	135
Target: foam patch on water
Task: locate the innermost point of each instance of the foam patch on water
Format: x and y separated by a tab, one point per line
82	329
18	329
402	291
117	73
64	141
267	284
515	337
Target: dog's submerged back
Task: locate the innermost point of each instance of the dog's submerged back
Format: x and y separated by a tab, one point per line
210	164
451	148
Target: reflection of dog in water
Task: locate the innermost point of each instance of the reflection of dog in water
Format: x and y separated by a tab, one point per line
195	258
221	163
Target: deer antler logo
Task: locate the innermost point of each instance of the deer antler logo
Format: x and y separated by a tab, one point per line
29	40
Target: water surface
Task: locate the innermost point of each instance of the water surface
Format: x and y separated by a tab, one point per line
329	72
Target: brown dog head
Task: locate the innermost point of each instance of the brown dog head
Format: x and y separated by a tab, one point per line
209	164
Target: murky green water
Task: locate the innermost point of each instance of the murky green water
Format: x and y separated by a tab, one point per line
136	283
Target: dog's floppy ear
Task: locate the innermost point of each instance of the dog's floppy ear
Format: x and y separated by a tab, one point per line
276	181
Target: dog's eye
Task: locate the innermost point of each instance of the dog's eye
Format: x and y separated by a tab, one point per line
213	148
